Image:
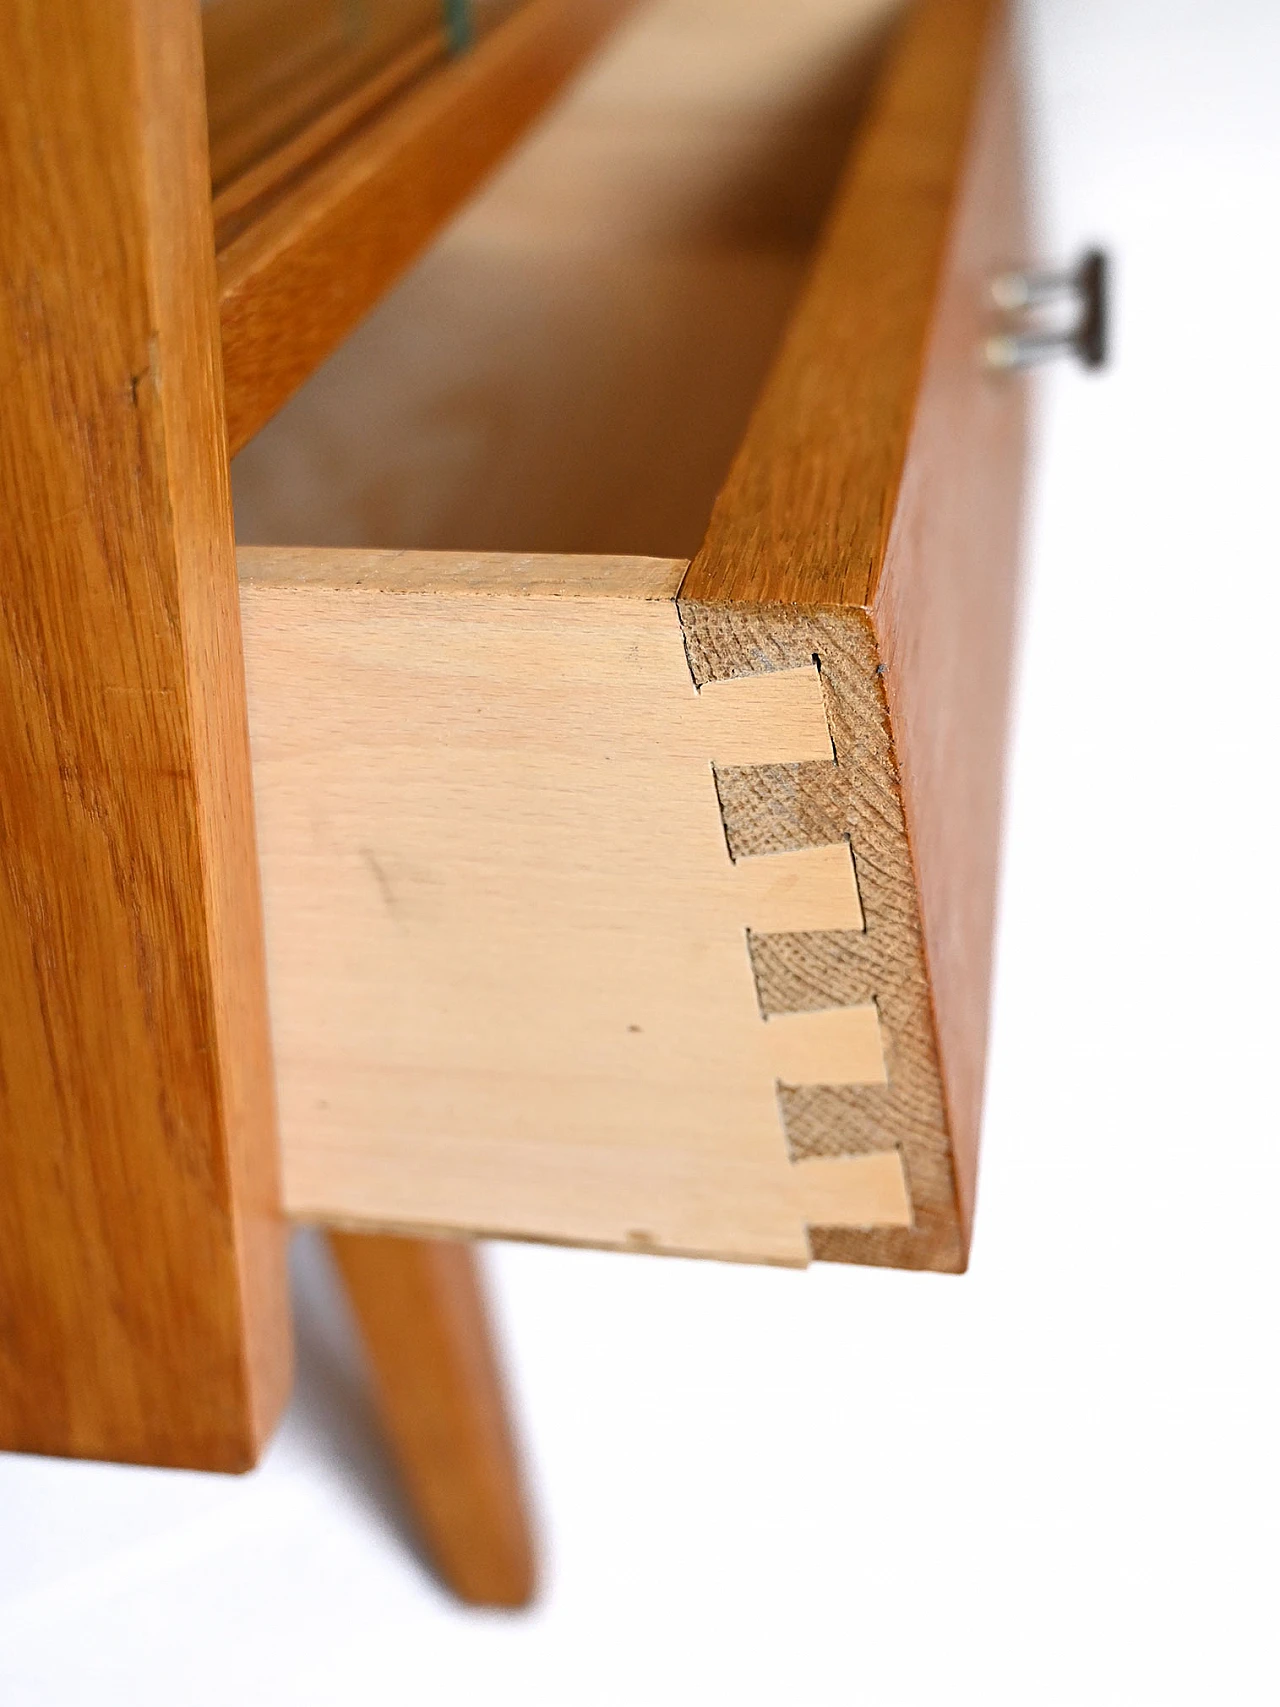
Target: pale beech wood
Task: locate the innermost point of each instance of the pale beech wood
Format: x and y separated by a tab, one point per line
828	1046
810	891
848	1189
421	1312
142	1282
288	568
509	959
769	719
299	278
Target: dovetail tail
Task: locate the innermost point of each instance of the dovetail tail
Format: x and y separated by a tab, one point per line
868	1191
769	809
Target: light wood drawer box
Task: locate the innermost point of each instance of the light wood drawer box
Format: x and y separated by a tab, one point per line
614	897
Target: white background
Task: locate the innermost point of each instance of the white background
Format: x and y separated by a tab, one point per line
1052	1481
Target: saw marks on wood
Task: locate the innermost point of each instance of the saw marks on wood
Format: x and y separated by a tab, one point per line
854	800
514	961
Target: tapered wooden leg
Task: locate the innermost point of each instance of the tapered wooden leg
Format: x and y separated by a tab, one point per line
421	1310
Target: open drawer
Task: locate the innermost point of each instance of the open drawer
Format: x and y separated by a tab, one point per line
628	824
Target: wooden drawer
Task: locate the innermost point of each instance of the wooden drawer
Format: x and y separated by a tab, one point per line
646	900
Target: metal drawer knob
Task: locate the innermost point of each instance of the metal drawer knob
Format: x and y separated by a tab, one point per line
1018	295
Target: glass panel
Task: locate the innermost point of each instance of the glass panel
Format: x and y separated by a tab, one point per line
275	68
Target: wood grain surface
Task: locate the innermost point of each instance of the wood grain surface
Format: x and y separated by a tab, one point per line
273	66
882	472
239	199
509	943
912	648
421	1312
850	799
572	363
944	604
299	278
805	514
142	1285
